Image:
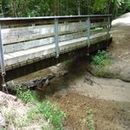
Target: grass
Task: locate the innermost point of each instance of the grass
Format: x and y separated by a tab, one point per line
102	58
99	62
44	109
25	95
50	112
90	119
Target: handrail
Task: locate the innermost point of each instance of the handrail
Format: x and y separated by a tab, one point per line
55	20
52	17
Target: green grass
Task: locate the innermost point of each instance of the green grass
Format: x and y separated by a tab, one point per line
25	96
49	111
99	62
45	109
90	119
102	58
53	113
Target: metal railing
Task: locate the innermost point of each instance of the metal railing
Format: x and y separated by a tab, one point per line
4	22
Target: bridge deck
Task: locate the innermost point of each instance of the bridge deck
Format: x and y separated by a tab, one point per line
28	56
28	40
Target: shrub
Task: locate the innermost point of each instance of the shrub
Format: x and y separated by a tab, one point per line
25	95
52	113
100	63
44	109
102	58
90	120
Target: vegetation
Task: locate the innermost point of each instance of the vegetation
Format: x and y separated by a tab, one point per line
48	111
63	7
90	119
102	58
26	96
100	62
44	109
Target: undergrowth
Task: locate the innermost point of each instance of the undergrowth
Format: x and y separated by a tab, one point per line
25	95
48	111
45	109
99	62
90	119
102	58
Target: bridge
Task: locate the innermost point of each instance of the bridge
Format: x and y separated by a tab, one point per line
31	44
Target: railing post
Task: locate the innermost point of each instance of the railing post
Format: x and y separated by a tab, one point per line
88	30
108	27
56	38
2	65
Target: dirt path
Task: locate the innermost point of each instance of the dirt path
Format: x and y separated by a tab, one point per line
108	115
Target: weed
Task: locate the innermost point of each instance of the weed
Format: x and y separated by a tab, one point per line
102	58
68	62
99	63
25	95
49	111
90	121
52	113
44	109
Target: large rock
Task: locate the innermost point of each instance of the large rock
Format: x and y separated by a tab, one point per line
125	73
118	69
2	121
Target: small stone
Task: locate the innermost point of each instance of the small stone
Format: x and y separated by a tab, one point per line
2	120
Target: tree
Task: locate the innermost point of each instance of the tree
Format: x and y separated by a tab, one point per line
18	8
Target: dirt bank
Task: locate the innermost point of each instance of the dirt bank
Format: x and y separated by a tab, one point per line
108	115
119	49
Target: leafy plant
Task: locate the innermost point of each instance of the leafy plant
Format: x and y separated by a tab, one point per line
49	111
25	95
102	58
100	63
62	7
52	113
90	120
45	109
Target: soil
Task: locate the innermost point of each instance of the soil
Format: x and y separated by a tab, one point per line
108	115
75	90
78	90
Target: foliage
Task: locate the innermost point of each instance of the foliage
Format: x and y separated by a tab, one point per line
90	120
52	113
100	5
17	8
46	109
99	63
49	111
102	58
25	95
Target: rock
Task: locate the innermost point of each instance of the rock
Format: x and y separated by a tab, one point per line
39	83
2	121
125	74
